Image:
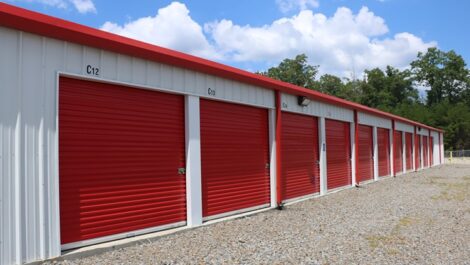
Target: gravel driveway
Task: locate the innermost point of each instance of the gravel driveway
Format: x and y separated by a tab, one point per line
417	218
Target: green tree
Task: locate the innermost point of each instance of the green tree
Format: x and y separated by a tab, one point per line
445	73
330	84
296	71
455	120
388	89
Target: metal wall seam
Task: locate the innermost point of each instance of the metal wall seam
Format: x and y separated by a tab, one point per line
273	156
278	150
322	150
376	153
355	148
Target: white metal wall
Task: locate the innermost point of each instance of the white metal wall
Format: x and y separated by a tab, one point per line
399	126
371	120
316	108
29	221
423	132
435	147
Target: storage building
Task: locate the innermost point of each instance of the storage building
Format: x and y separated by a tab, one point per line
104	137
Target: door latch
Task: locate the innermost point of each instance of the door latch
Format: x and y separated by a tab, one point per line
181	171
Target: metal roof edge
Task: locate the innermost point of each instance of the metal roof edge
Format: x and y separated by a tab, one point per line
41	24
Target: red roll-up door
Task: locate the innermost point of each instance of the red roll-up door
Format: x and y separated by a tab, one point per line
120	150
365	165
299	147
425	151
383	145
338	154
417	151
431	151
234	157
397	152
409	151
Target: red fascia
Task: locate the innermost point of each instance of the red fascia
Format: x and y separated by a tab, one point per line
40	24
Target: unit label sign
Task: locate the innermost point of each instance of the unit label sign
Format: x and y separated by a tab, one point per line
211	92
91	70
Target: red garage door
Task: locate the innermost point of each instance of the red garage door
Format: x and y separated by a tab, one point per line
338	154
431	151
409	151
365	163
120	150
299	148
425	151
417	152
397	152
383	144
235	157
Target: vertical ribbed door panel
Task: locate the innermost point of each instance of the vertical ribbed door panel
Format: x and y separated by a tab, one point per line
425	151
338	154
300	168
365	163
409	151
383	145
397	152
417	151
119	153
234	157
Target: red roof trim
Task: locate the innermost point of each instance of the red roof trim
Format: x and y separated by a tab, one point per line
40	24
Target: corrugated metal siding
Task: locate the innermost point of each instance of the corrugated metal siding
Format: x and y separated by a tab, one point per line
28	71
372	120
234	157
383	142
399	126
315	108
338	154
365	165
120	150
300	167
423	132
409	150
435	145
397	152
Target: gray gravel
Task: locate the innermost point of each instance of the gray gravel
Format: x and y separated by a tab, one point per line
417	218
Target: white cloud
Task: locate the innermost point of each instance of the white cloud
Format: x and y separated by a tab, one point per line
82	6
341	44
171	27
294	5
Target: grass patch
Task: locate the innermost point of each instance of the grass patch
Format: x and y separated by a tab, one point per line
451	191
394	238
385	241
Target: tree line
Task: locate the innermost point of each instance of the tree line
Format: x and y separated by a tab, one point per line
446	103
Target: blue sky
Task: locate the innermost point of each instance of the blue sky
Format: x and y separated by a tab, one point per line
344	37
